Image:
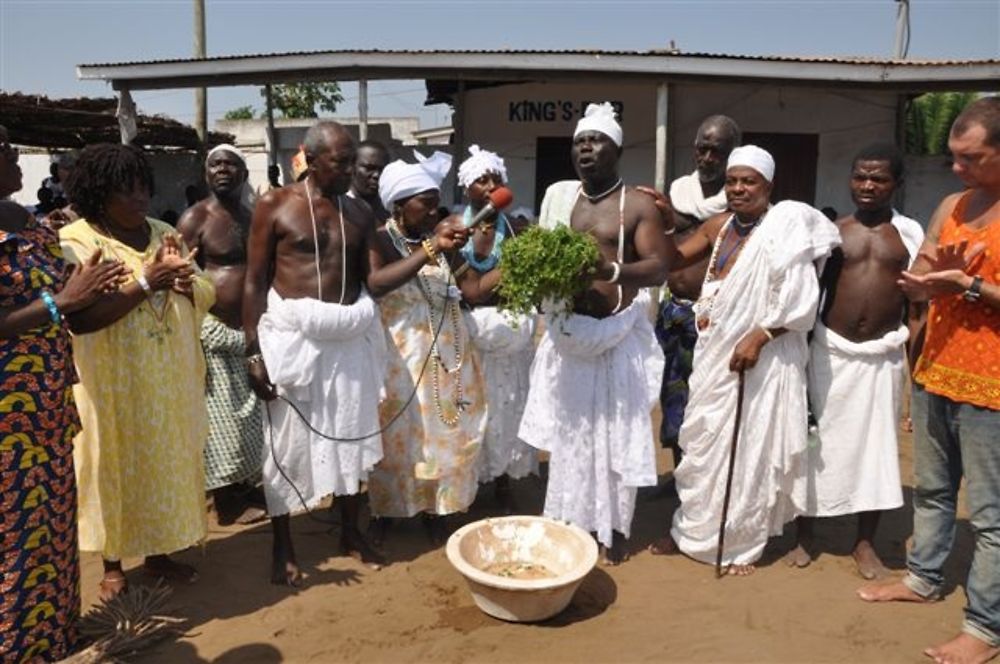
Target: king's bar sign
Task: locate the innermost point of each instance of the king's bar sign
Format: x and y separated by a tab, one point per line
528	110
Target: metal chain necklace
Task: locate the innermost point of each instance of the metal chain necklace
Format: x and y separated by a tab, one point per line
593	198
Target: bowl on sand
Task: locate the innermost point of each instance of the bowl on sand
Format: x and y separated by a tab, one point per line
522	568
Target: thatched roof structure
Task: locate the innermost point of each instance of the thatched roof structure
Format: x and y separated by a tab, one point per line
38	121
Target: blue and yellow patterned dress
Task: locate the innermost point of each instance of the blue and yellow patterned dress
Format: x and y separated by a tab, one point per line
39	561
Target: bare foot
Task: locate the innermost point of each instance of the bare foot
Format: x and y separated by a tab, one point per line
890	592
741	570
112	585
798	557
665	546
963	649
617	553
285	571
162	567
355	545
869	564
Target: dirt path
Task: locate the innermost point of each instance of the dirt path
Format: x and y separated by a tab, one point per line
649	609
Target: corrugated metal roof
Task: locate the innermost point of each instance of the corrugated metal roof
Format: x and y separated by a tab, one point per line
862	60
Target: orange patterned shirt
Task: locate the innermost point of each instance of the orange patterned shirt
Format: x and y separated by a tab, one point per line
961	356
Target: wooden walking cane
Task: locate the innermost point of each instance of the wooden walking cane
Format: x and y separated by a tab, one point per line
729	478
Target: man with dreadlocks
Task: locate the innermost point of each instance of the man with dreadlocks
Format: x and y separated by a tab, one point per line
142	375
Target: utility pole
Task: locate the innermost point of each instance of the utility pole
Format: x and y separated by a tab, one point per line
200	101
902	29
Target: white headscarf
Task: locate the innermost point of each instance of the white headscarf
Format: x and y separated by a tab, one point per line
479	164
247	196
600	117
402	180
754	157
228	148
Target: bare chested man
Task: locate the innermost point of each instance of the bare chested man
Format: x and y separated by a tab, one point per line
857	357
313	338
372	158
694	198
599	436
218	226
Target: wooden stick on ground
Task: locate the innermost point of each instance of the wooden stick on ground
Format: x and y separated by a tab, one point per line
729	478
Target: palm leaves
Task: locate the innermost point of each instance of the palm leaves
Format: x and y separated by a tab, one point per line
929	118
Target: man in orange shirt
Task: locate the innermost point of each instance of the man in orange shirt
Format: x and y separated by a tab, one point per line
956	393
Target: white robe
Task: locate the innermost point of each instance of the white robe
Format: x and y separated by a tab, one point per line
594	383
329	360
687	198
855	390
773	284
505	354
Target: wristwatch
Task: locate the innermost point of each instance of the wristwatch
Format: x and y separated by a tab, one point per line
973	292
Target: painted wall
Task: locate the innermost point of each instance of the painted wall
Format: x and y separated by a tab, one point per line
508	119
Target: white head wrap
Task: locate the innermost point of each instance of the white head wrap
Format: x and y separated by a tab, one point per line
247	196
228	148
402	180
479	164
600	117
756	158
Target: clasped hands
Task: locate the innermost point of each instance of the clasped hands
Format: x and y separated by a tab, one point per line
947	274
169	269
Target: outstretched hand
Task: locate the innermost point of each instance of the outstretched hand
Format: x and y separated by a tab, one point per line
662	204
948	272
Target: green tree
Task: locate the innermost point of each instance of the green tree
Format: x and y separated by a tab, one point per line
929	118
239	113
300	100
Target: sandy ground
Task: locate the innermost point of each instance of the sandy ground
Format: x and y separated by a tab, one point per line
649	609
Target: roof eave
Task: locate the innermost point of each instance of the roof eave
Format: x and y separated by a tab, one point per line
344	66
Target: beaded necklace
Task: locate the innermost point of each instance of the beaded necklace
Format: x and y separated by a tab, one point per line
402	242
468	251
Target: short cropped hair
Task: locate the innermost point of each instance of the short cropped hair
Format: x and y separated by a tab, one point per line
882	152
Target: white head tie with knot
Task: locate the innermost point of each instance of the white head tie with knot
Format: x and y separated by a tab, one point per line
226	147
479	164
753	157
600	117
401	180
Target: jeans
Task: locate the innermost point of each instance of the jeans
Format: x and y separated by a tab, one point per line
952	439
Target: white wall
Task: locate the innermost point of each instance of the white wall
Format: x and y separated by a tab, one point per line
845	122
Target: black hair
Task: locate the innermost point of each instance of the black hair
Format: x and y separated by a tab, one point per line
104	169
883	152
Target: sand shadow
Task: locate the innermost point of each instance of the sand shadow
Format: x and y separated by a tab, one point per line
597	592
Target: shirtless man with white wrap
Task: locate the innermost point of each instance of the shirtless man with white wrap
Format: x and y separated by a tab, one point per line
314	337
600	439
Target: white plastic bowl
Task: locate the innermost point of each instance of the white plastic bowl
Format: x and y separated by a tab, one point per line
563	549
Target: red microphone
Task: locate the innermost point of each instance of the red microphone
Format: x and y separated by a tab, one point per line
500	198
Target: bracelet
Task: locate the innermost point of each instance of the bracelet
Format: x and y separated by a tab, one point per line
141	280
616	273
671	231
50	304
770	336
429	249
255	358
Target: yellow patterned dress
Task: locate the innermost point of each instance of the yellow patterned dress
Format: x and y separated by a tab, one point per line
431	450
141	398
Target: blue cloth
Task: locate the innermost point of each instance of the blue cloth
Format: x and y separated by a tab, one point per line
468	251
952	439
677	334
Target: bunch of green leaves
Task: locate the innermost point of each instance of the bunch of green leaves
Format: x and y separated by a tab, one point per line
540	265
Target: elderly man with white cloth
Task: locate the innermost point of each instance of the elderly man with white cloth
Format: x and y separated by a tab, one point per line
757	304
506	348
315	345
596	374
856	361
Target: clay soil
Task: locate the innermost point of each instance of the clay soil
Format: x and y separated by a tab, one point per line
649	609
